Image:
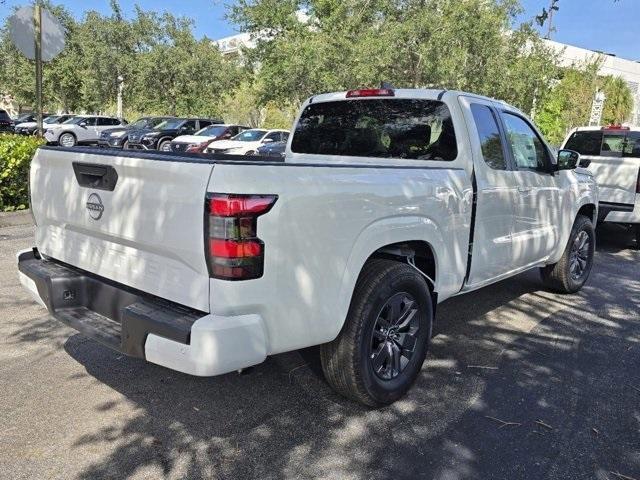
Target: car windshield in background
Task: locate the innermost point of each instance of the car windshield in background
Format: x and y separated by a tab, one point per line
170	124
4	115
51	119
249	136
148	122
212	131
75	120
383	128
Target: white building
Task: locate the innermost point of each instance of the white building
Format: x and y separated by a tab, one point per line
629	70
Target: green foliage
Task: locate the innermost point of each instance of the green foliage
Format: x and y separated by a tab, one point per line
16	152
414	43
568	104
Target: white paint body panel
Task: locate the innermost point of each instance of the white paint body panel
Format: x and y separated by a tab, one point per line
151	234
331	215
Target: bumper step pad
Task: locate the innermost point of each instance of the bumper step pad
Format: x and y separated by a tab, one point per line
113	314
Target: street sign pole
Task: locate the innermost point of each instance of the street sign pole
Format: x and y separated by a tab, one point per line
37	23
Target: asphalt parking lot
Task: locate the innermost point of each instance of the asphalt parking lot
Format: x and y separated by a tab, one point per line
519	384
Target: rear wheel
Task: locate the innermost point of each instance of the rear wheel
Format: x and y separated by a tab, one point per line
67	140
379	352
573	269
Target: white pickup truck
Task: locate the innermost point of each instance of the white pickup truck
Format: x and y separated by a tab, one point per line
387	203
613	154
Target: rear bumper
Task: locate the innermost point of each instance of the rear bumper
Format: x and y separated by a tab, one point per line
141	325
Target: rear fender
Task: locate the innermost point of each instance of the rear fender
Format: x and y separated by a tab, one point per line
380	234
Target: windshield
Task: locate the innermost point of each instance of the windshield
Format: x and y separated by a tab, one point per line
51	119
75	120
212	131
170	124
148	122
23	118
249	136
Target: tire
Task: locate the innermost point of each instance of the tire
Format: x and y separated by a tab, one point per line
164	146
357	364
250	152
67	139
573	269
125	145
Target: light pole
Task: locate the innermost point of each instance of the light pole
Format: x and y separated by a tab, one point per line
120	89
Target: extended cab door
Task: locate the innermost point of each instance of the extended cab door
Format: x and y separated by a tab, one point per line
496	194
537	217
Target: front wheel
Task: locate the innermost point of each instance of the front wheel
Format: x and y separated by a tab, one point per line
573	269
379	352
165	146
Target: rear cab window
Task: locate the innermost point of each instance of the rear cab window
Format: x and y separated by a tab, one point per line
585	142
417	129
605	143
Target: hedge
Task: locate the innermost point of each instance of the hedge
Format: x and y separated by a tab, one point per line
16	152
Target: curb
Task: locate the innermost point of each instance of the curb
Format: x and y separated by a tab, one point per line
11	219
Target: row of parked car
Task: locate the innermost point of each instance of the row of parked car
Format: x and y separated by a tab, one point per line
164	133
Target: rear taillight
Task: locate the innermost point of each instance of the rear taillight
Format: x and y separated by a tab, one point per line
233	249
638	183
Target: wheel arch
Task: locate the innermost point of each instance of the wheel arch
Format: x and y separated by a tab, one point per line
386	239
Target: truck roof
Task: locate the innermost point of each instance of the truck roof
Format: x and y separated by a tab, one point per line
409	93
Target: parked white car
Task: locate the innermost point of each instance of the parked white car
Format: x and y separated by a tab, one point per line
386	203
83	129
613	155
247	142
30	128
199	141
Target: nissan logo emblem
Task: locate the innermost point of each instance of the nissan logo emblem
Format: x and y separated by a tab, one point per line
95	206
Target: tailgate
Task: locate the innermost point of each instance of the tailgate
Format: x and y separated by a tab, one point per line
142	226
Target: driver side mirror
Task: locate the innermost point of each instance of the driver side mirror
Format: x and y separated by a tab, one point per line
568	159
83	124
267	140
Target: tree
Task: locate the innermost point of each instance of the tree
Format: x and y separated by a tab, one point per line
342	44
619	101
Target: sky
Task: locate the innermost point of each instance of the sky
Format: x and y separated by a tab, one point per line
605	25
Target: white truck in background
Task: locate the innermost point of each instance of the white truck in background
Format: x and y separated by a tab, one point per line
386	203
613	154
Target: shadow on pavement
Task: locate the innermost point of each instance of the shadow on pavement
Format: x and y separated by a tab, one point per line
563	371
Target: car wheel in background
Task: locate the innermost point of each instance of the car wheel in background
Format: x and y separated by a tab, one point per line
67	140
251	152
381	348
573	269
164	146
125	145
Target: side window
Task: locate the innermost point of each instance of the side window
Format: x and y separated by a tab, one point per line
528	150
103	122
585	142
489	135
189	126
204	123
612	144
274	136
91	121
632	145
285	136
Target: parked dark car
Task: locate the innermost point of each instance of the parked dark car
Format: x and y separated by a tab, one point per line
275	149
6	124
160	137
200	140
119	137
30	128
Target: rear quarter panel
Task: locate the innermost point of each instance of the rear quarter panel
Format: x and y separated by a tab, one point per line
327	221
